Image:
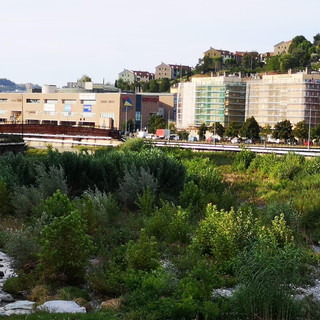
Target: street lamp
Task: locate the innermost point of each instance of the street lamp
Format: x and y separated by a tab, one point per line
309	130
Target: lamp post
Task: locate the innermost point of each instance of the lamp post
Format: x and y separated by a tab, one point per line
22	126
309	130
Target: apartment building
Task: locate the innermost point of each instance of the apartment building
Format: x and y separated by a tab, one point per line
274	98
104	110
132	76
215	53
209	100
171	71
281	47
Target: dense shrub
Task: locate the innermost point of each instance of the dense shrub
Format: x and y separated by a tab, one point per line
65	248
23	248
243	159
144	254
223	233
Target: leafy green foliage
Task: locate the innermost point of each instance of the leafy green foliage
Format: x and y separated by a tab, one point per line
250	129
243	160
144	254
65	248
156	122
282	130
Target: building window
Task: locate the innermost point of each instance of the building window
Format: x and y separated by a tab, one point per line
3	100
33	100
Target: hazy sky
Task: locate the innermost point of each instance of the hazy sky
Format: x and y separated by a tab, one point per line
53	42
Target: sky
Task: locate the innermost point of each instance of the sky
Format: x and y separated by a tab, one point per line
58	41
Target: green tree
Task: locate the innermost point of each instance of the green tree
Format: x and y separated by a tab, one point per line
164	85
217	128
273	63
316	39
250	60
153	86
202	131
301	130
129	125
315	132
250	129
144	254
266	130
282	130
172	127
232	130
156	122
66	248
85	78
183	134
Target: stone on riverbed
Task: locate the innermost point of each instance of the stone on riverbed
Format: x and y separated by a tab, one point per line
61	306
6	298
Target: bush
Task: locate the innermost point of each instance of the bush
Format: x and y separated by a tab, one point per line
267	275
65	248
223	233
134	144
23	248
243	160
72	293
134	182
143	255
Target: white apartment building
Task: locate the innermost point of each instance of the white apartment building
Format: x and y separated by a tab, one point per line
209	100
274	98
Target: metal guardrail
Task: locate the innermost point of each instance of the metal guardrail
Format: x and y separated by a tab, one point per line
237	148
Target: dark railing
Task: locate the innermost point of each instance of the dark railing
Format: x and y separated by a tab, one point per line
58	129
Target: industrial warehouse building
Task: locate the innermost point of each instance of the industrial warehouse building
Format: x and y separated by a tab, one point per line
104	110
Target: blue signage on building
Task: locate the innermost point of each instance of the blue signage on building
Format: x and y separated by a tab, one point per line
87	108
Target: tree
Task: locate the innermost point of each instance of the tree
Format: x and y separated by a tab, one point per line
183	134
315	132
66	248
250	60
85	78
154	86
316	39
172	127
273	63
202	131
129	125
250	129
156	122
282	130
232	130
217	128
301	130
164	85
266	130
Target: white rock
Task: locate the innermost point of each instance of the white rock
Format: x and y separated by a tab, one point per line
6	298
22	304
61	306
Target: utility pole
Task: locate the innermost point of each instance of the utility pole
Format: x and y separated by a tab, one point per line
309	131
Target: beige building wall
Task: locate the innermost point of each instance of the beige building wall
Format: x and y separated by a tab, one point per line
212	53
282	47
274	98
106	110
163	71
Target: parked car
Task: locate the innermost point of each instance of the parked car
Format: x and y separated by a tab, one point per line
191	139
248	141
235	140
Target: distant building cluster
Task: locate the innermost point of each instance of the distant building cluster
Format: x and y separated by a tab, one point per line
84	104
270	99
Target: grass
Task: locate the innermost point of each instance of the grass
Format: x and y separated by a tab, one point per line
67	316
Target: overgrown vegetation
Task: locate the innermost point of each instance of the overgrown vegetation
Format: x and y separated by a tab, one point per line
157	233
